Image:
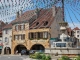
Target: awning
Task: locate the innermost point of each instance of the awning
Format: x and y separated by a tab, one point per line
1	44
53	38
1	47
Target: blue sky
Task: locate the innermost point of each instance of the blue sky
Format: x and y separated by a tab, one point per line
10	7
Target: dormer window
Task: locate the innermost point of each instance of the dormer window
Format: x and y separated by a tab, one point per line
37	23
45	23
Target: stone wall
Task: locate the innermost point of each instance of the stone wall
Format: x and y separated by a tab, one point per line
63	51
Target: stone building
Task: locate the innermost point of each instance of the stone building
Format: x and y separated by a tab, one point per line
33	29
7	38
2	24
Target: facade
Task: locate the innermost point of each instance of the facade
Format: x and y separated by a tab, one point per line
2	24
77	32
7	38
33	32
64	41
1	45
77	35
66	44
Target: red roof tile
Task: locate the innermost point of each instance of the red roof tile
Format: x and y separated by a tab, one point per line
69	29
76	28
25	16
46	16
7	26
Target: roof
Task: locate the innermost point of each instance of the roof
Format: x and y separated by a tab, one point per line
2	24
76	28
24	17
44	20
0	31
69	29
7	26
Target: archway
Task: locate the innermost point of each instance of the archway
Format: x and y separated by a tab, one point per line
7	50
19	48
38	47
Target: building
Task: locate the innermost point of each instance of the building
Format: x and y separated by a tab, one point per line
2	24
77	35
66	44
33	29
7	38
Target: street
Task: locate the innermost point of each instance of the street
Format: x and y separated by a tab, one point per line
18	57
7	57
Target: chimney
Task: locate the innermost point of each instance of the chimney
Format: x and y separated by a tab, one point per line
53	10
19	13
37	12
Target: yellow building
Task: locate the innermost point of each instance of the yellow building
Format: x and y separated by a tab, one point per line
33	29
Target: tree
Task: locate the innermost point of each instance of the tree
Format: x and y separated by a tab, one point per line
65	58
78	58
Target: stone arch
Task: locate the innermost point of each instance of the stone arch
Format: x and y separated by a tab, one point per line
38	47
19	48
7	50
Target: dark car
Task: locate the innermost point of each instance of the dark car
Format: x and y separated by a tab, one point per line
23	52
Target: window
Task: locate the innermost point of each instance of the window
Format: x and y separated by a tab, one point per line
60	44
45	34
45	23
37	23
19	27
36	35
77	31
6	39
23	37
19	37
16	27
77	35
16	37
39	34
22	27
6	31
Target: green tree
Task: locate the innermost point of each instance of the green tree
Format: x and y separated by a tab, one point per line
65	58
78	58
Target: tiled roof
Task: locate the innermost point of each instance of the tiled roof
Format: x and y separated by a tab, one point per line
2	24
45	16
7	26
0	31
69	29
25	16
76	28
44	20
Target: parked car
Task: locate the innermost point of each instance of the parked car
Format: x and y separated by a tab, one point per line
31	52
23	52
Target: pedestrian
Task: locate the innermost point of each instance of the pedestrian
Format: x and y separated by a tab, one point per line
16	51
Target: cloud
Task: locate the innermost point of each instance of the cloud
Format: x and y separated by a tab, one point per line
77	24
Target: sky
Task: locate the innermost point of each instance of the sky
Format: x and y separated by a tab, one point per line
8	9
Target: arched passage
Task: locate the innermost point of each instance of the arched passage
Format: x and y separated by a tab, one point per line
7	50
38	47
19	48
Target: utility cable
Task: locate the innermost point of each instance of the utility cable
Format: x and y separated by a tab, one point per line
70	17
